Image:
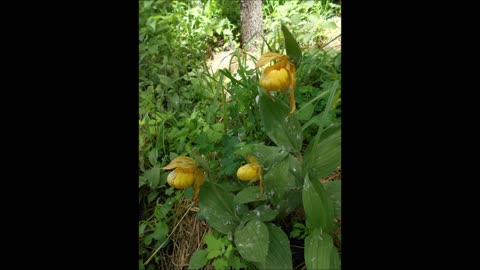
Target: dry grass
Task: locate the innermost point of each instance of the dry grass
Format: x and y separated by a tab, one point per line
186	239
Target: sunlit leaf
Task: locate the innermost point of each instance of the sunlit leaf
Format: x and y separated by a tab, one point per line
212	242
213	254
292	47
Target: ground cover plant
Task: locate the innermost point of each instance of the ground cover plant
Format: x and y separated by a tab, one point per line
238	170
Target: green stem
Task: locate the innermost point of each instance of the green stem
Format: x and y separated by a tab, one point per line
224	96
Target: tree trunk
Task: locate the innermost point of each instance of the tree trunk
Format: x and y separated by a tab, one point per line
252	23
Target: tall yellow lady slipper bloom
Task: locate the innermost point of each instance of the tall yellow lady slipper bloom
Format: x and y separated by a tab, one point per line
279	76
251	172
185	174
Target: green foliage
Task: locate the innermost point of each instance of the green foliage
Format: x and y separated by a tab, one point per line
249	194
292	47
216	205
333	189
279	255
220	252
308	20
284	131
323	154
299	231
252	240
220	118
320	252
318	208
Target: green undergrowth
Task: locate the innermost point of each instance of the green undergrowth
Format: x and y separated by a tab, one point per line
219	118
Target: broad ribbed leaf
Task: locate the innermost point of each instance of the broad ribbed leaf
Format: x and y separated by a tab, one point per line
217	206
252	241
268	155
281	185
292	47
334	193
265	213
279	255
320	252
317	205
284	130
249	194
323	156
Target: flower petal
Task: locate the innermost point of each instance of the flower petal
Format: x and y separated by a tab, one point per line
292	72
252	160
181	162
275	79
199	176
268	57
248	172
180	178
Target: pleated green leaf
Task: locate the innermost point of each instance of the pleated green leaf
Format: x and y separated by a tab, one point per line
281	186
279	254
216	205
284	130
333	189
268	155
320	252
323	155
249	194
265	213
252	241
317	205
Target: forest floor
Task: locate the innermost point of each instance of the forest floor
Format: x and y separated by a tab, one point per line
222	59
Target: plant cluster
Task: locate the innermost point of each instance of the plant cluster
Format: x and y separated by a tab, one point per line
248	148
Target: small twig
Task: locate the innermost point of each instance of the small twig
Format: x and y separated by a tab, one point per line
168	237
331	41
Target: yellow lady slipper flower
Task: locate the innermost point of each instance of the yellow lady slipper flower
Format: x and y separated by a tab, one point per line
185	174
251	172
180	178
279	76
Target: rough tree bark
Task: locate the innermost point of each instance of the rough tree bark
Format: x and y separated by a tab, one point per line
251	18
